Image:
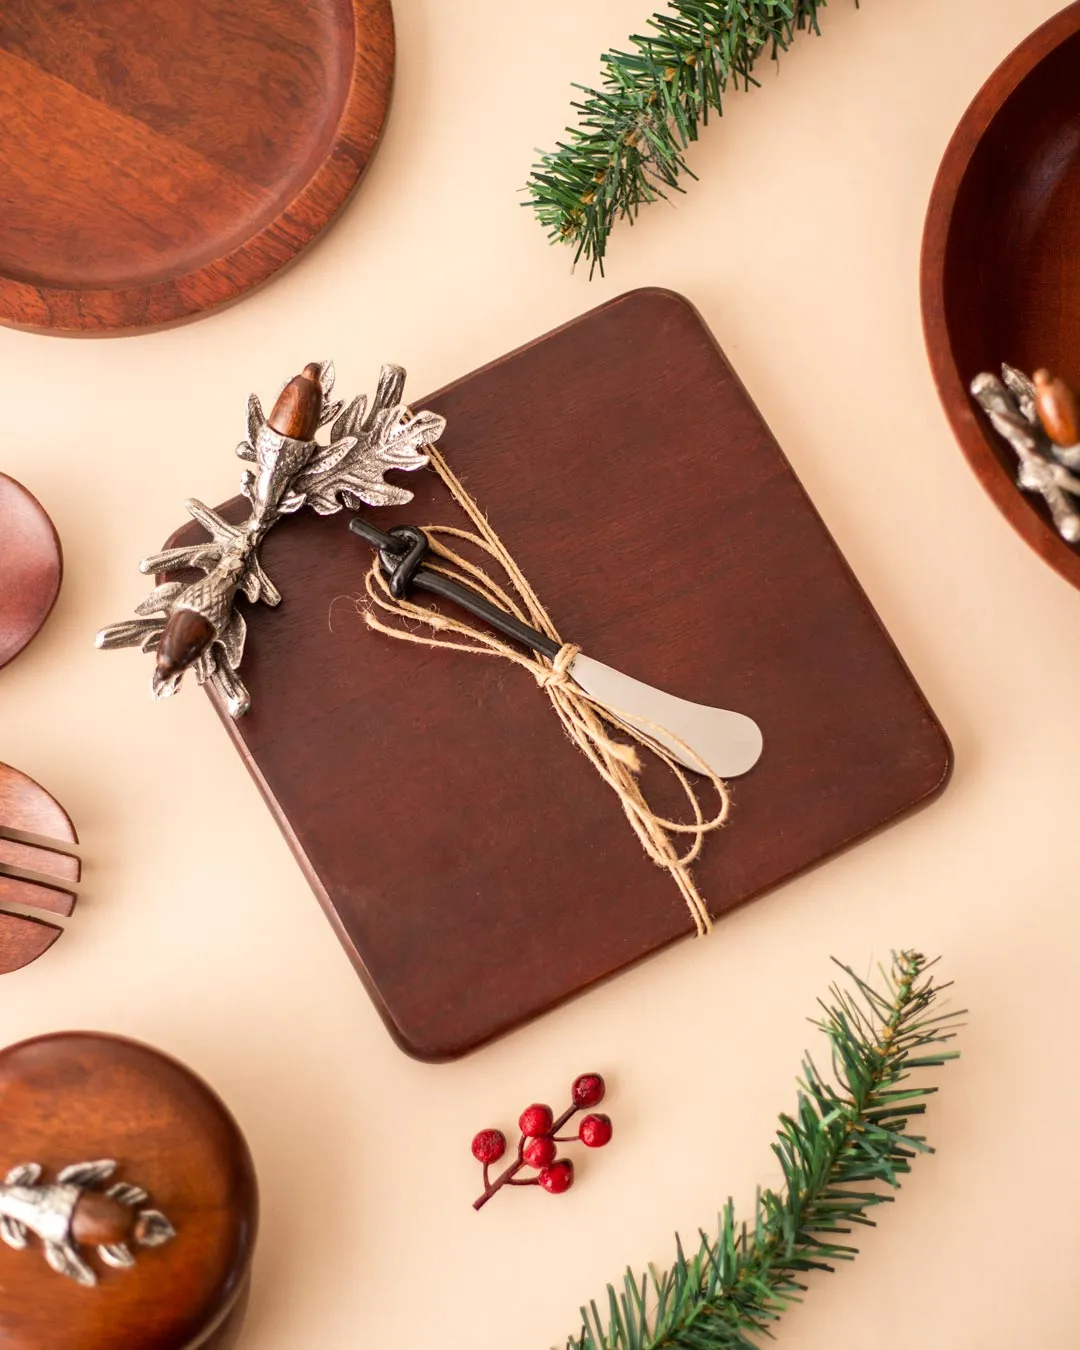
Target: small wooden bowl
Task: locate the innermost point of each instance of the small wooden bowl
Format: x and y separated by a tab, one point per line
1001	256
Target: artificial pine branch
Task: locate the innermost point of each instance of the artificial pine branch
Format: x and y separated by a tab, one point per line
839	1151
629	144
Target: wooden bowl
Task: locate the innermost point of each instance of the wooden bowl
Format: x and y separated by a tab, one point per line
159	160
1001	256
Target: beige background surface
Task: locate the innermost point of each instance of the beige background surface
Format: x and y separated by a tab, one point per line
198	933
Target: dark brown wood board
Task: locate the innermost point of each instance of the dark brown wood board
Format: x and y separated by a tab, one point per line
477	870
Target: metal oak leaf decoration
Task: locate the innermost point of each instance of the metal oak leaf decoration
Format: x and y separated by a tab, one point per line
196	624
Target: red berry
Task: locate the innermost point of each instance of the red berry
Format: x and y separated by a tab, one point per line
489	1146
558	1177
588	1090
595	1131
540	1152
536	1120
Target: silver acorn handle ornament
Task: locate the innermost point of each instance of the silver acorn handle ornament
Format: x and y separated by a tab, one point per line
75	1213
197	625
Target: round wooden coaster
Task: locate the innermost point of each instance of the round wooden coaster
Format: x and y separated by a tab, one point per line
159	160
31	567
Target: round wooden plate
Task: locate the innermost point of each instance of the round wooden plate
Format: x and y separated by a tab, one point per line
160	159
31	567
1001	256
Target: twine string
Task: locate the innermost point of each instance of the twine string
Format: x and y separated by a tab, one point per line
595	727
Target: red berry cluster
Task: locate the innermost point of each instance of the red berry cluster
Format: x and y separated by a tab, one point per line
540	1138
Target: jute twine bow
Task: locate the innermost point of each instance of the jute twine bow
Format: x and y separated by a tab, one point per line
589	722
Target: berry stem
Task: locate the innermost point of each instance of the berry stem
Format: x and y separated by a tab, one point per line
506	1177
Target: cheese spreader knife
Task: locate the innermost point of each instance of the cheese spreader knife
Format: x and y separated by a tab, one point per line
701	738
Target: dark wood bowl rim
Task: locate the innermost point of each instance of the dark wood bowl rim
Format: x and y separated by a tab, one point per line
969	425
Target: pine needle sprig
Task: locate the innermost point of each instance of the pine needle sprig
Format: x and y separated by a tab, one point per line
844	1148
628	146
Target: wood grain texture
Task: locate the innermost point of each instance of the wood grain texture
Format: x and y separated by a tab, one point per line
78	1096
1001	256
15	853
31	567
160	160
27	809
23	939
475	867
44	896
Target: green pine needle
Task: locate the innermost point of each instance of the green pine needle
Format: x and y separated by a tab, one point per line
841	1151
629	144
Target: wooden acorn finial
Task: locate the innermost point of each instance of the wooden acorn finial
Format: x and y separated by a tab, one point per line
185	637
1058	409
299	405
99	1220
